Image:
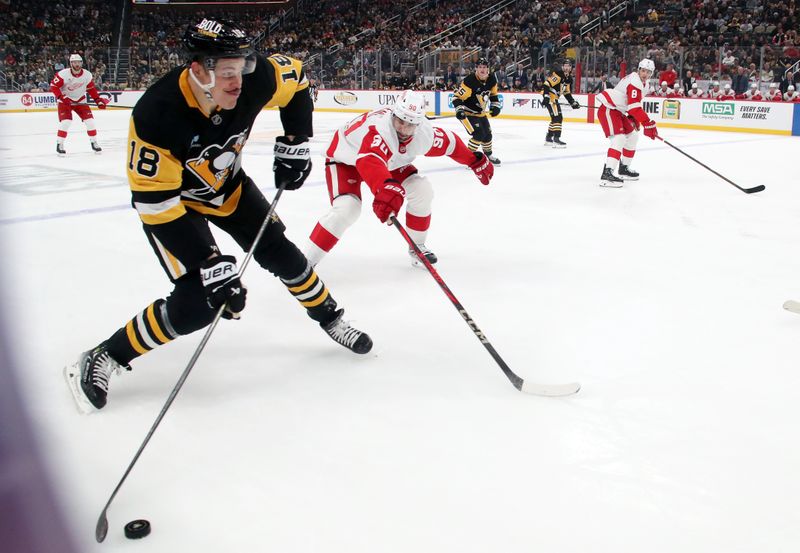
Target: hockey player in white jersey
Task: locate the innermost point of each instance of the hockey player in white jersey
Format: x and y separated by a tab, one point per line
70	87
378	148
621	114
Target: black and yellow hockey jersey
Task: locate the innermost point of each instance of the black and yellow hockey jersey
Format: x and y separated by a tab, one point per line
473	94
557	84
181	158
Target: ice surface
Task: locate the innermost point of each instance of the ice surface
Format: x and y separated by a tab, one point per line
662	298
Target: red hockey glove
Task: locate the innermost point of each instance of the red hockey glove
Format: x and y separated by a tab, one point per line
66	101
650	130
388	200
482	168
101	102
634	122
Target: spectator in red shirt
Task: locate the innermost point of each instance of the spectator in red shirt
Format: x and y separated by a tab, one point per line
669	75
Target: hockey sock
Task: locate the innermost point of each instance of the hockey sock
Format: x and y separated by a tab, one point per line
629	147
91	128
417	227
487	148
612	161
473	145
63	127
145	332
312	294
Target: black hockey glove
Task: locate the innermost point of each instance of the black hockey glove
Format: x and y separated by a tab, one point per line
292	162
494	109
221	281
461	113
575	104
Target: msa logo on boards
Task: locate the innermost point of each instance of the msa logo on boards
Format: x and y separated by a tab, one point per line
718	110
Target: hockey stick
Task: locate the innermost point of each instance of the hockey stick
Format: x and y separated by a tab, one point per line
554	390
96	106
434	117
101	530
752	190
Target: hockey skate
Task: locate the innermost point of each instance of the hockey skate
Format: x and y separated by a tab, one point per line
609	180
60	149
492	159
96	147
626	173
548	140
429	255
88	378
342	333
557	142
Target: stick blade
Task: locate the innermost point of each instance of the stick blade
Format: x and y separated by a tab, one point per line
755	189
101	530
793	306
550	390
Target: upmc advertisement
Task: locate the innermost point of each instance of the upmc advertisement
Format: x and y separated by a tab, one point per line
689	113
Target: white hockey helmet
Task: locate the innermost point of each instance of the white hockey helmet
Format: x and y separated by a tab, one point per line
694	85
410	107
663	83
75	57
648	65
773	85
715	83
727	86
790	87
753	85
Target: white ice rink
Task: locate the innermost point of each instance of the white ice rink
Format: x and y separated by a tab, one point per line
662	298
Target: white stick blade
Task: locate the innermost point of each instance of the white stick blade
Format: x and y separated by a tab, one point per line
793	306
550	390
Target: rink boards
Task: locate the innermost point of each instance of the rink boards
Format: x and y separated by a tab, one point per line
737	116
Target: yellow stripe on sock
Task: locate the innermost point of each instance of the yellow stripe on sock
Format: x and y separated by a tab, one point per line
132	339
316	302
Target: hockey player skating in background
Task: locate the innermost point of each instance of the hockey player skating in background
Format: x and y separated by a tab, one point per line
559	82
184	167
621	114
70	86
469	101
378	148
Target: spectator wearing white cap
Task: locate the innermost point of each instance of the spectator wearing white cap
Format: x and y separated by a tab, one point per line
695	91
791	95
663	90
727	93
754	94
773	94
677	91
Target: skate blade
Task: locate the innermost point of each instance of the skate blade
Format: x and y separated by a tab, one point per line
626	178
559	146
606	184
72	374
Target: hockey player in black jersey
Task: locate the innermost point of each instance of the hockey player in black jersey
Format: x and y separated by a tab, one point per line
185	143
471	97
559	82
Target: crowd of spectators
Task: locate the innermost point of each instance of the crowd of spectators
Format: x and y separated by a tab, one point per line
376	43
37	37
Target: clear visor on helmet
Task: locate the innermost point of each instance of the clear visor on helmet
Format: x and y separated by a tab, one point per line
229	71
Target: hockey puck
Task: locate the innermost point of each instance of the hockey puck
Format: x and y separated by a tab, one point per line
137	529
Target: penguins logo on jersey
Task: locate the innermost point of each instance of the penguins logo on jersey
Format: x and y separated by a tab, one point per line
213	165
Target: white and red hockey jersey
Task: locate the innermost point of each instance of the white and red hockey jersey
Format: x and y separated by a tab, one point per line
370	143
65	83
774	95
626	97
753	95
791	96
696	93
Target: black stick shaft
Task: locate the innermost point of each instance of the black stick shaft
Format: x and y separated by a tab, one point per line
101	530
511	375
745	190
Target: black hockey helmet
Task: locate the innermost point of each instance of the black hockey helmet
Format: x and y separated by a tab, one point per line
482	61
213	39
